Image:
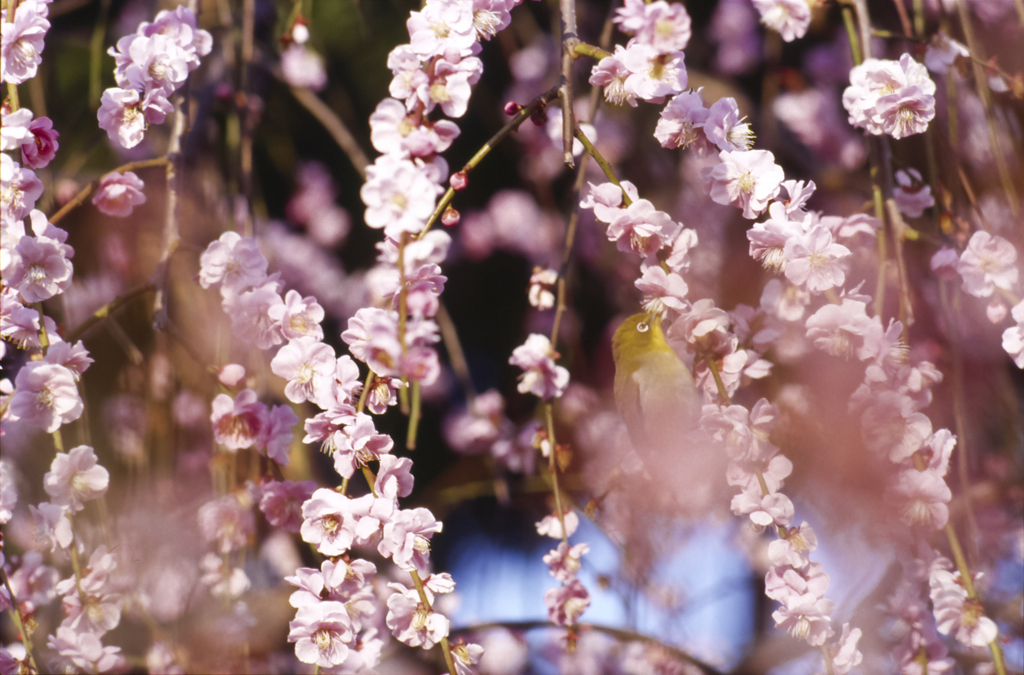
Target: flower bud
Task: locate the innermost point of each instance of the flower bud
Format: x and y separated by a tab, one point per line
450	217
512	108
459	180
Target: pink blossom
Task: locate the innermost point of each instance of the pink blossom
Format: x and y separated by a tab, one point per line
652	75
747	180
945	262
227	522
46	396
181	26
551	525
250	312
14	130
224	581
988	262
281	502
231	374
232	263
442	28
8	492
53	526
836	328
33	582
764	510
922	498
567	603
681	120
406	538
154	64
75	477
662	25
564	561
804	611
892	428
663	293
641	228
39	268
306	363
23	44
943	51
611	73
606	199
124	114
358	443
119	193
890	97
1013	338
542	377
394	477
333	522
410	621
912	195
790	18
958	615
844	652
725	127
399	197
19	191
279	434
302	67
794	549
451	85
812	260
407	74
394	131
241	422
321	633
82	651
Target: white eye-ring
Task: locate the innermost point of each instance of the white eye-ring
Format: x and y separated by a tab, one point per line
642	327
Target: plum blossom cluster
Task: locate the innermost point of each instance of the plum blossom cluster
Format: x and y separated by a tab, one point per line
90	598
35	263
895	98
150	65
759	470
650	66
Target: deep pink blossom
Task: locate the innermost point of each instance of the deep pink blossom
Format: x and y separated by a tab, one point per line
240	422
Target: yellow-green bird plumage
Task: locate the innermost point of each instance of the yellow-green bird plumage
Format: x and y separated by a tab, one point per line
654	390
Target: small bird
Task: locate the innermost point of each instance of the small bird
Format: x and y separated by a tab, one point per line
654	390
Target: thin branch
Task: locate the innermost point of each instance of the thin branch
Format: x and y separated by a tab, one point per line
107	310
84	193
334	126
172	237
569	41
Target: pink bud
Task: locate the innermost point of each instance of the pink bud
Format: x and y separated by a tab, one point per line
459	180
450	217
539	116
512	108
231	374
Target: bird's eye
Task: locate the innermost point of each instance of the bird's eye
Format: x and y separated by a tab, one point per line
642	326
